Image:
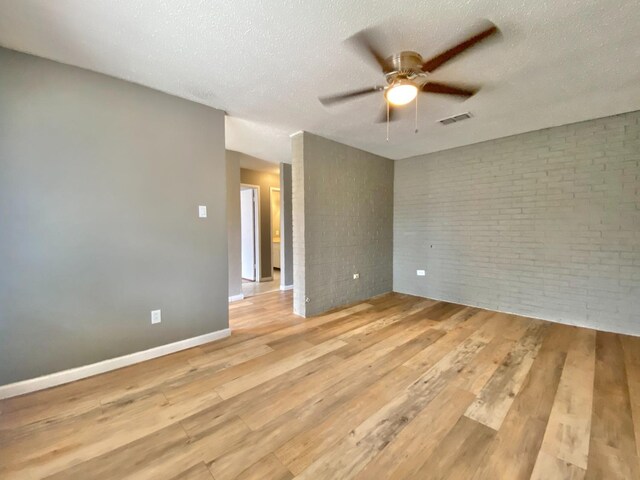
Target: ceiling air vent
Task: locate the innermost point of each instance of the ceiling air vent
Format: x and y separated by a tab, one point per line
455	118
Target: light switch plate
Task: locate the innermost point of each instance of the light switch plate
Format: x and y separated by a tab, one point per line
156	316
421	273
202	211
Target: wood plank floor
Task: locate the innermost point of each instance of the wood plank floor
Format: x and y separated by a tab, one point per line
394	387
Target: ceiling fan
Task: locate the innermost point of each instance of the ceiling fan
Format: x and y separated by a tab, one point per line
407	73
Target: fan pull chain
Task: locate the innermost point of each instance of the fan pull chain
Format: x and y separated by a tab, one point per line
387	120
416	131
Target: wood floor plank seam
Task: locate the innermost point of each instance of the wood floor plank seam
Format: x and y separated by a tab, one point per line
612	448
365	441
494	400
631	350
569	426
513	451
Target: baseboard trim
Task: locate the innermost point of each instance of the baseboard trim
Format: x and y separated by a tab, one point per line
286	287
78	373
235	298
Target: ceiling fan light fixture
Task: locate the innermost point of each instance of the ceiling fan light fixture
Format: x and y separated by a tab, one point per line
401	93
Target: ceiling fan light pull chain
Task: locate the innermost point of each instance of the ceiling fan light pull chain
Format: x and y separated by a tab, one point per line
416	131
387	121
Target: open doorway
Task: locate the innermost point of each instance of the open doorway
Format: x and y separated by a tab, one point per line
250	232
259	223
259	245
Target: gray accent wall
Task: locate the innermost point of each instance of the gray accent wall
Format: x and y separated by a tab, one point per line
286	230
233	224
543	224
342	221
100	182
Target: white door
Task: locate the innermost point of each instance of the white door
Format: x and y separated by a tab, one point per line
247	229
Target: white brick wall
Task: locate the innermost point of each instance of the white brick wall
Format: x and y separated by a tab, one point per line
342	224
545	224
297	204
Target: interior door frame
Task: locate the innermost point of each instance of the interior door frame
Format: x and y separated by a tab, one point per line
256	229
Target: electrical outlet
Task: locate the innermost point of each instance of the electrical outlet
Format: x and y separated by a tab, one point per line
356	276
202	211
421	273
156	316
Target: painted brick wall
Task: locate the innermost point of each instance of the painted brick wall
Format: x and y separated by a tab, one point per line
545	224
286	234
298	222
343	209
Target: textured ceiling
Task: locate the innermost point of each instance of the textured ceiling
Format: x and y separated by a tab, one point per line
266	62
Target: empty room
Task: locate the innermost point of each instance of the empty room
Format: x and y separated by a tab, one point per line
279	240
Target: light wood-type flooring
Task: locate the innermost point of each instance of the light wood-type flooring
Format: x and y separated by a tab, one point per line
393	387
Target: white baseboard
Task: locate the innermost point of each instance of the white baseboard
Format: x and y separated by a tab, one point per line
235	298
286	287
73	374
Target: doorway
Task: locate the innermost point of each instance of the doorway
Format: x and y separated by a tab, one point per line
250	232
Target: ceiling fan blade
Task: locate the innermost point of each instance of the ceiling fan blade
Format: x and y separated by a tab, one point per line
449	89
364	43
393	114
440	59
342	97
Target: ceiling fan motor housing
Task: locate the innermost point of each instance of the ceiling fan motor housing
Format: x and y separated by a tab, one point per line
404	65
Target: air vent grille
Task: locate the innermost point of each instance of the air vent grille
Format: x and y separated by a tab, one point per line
455	118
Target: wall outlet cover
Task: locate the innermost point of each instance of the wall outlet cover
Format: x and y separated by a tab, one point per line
202	211
421	273
156	316
356	276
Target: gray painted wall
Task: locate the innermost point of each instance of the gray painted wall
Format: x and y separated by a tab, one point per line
265	181
233	224
286	230
346	215
100	182
545	224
